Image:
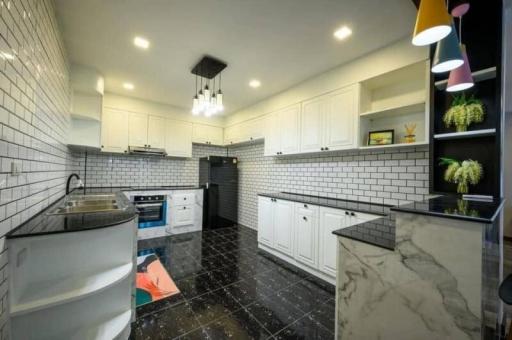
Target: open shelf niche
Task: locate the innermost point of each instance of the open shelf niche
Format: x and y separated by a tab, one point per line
391	100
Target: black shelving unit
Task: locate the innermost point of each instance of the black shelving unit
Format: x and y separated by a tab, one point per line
482	142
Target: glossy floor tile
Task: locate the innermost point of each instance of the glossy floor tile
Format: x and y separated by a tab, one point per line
232	290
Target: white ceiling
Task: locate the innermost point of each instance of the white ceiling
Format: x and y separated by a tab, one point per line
279	42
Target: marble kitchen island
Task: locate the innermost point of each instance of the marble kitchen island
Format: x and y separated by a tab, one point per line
430	270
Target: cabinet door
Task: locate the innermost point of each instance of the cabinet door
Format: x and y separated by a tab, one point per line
137	129
306	234
156	132
272	134
216	135
178	138
114	131
283	226
207	134
231	135
311	136
289	129
182	215
341	119
330	220
255	129
266	221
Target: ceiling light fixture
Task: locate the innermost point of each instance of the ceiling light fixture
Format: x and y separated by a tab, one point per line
141	42
208	100
342	33
128	86
433	23
448	55
255	83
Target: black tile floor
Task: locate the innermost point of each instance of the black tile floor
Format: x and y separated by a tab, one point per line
232	290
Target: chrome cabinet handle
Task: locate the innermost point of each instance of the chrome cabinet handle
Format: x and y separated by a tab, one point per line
305	218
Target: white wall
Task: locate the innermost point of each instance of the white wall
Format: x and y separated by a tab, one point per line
116	101
392	57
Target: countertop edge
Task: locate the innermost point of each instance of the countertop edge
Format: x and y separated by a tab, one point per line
298	200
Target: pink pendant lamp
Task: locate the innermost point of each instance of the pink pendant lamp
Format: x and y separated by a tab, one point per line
460	79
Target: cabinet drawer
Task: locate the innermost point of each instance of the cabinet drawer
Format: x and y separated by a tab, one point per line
182	215
183	199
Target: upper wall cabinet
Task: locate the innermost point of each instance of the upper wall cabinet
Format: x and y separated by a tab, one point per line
178	138
157	132
329	122
137	129
247	131
207	134
282	131
114	131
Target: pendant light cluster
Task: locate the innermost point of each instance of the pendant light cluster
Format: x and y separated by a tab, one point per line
435	24
207	101
208	97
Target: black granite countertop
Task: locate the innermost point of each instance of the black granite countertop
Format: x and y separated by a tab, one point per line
455	208
379	232
364	207
43	224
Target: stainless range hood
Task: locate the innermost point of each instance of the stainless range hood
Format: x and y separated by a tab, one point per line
146	151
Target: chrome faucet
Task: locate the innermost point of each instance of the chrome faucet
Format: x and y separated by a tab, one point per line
80	184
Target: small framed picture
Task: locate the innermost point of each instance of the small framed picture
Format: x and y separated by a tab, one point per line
384	137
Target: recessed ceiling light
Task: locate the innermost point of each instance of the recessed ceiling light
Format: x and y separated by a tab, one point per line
254	83
342	33
128	86
141	42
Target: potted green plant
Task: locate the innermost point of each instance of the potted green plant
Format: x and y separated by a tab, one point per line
464	112
462	174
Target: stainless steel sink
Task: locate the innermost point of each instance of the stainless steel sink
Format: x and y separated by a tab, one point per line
79	204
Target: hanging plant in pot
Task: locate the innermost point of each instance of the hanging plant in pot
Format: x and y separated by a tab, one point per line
464	112
463	174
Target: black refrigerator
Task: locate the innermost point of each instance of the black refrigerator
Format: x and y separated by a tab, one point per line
219	178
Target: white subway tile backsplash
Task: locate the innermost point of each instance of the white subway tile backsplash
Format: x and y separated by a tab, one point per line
394	177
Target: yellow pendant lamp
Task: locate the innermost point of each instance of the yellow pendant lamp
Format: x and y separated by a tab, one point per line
433	23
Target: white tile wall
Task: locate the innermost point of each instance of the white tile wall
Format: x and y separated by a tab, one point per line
34	118
389	177
106	170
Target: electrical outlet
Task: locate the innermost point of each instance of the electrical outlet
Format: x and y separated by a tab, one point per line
15	168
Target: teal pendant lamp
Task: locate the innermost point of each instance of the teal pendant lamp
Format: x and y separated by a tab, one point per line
448	55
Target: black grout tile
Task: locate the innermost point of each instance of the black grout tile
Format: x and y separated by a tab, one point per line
231	289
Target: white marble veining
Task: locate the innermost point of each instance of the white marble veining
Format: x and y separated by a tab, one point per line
429	287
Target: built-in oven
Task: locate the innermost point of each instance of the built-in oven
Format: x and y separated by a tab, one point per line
152	210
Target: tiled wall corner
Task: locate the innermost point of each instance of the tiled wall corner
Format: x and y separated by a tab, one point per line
387	177
34	118
111	170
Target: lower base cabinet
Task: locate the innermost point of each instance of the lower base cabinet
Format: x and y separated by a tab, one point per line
306	234
302	233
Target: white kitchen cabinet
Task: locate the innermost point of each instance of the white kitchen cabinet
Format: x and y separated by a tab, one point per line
283	226
207	134
330	220
247	131
282	131
329	122
306	234
178	138
156	132
138	129
182	215
266	221
114	131
272	134
311	135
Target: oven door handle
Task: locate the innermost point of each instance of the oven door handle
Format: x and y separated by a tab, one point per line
149	205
